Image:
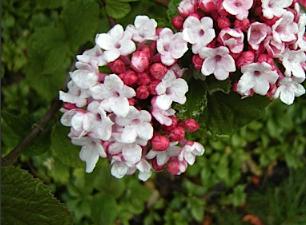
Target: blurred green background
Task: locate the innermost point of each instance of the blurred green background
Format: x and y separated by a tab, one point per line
255	175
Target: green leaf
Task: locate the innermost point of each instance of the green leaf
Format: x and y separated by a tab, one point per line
214	85
172	9
80	20
62	149
26	200
104	209
227	113
117	8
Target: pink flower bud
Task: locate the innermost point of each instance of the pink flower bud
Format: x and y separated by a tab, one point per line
245	58
243	25
140	61
142	92
158	71
152	87
177	22
117	66
197	62
177	134
224	22
173	167
69	106
267	59
129	77
173	124
302	2
160	143
155	166
132	101
143	79
191	125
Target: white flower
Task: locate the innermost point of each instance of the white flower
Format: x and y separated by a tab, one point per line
257	33
289	89
271	8
217	61
197	32
114	94
75	95
85	76
170	89
186	6
257	77
135	124
131	153
285	29
144	170
90	152
292	61
119	169
162	157
93	56
144	29
239	8
115	43
273	47
171	46
189	152
301	42
163	116
233	39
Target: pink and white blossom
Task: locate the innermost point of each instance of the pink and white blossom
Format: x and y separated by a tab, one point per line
131	153
186	7
257	34
301	41
271	8
238	8
115	43
163	116
256	77
190	151
85	77
285	29
171	46
274	48
143	29
171	89
75	95
288	89
144	169
293	62
197	32
162	157
93	56
233	39
217	61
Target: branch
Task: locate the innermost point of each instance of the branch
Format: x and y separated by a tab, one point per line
31	136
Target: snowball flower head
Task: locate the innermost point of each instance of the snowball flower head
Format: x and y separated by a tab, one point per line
217	61
171	46
171	89
116	42
239	8
256	77
197	32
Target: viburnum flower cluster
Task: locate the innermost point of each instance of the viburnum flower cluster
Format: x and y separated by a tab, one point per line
119	102
259	44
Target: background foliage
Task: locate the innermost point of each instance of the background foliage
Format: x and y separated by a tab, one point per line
252	171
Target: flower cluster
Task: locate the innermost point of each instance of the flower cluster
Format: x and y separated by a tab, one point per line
119	99
259	44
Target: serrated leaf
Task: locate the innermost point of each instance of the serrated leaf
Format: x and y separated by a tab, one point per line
80	20
117	9
25	200
62	149
227	113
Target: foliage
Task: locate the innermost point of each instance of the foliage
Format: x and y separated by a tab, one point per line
242	139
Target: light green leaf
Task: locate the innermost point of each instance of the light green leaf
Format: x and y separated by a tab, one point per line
25	200
117	9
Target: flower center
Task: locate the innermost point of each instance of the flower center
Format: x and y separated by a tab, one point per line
118	45
257	73
166	47
218	58
238	4
201	32
116	94
168	91
136	121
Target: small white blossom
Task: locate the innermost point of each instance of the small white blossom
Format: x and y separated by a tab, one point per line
301	42
86	76
233	39
171	46
271	8
170	89
288	89
162	157
119	169
285	29
217	61
257	33
163	116
93	56
197	32
239	8
186	6
189	152
75	95
131	153
143	29
292	61
144	170
257	77
116	42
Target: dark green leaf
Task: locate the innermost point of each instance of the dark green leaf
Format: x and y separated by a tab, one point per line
104	209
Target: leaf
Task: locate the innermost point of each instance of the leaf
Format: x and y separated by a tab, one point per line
227	113
62	149
26	200
172	9
104	209
117	8
214	85
80	20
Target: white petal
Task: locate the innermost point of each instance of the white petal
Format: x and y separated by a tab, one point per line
145	131
164	102
208	66
132	153
90	154
119	169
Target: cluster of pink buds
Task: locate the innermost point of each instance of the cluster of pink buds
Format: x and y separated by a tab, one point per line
119	102
259	44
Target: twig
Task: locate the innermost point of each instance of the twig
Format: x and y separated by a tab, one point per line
31	136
